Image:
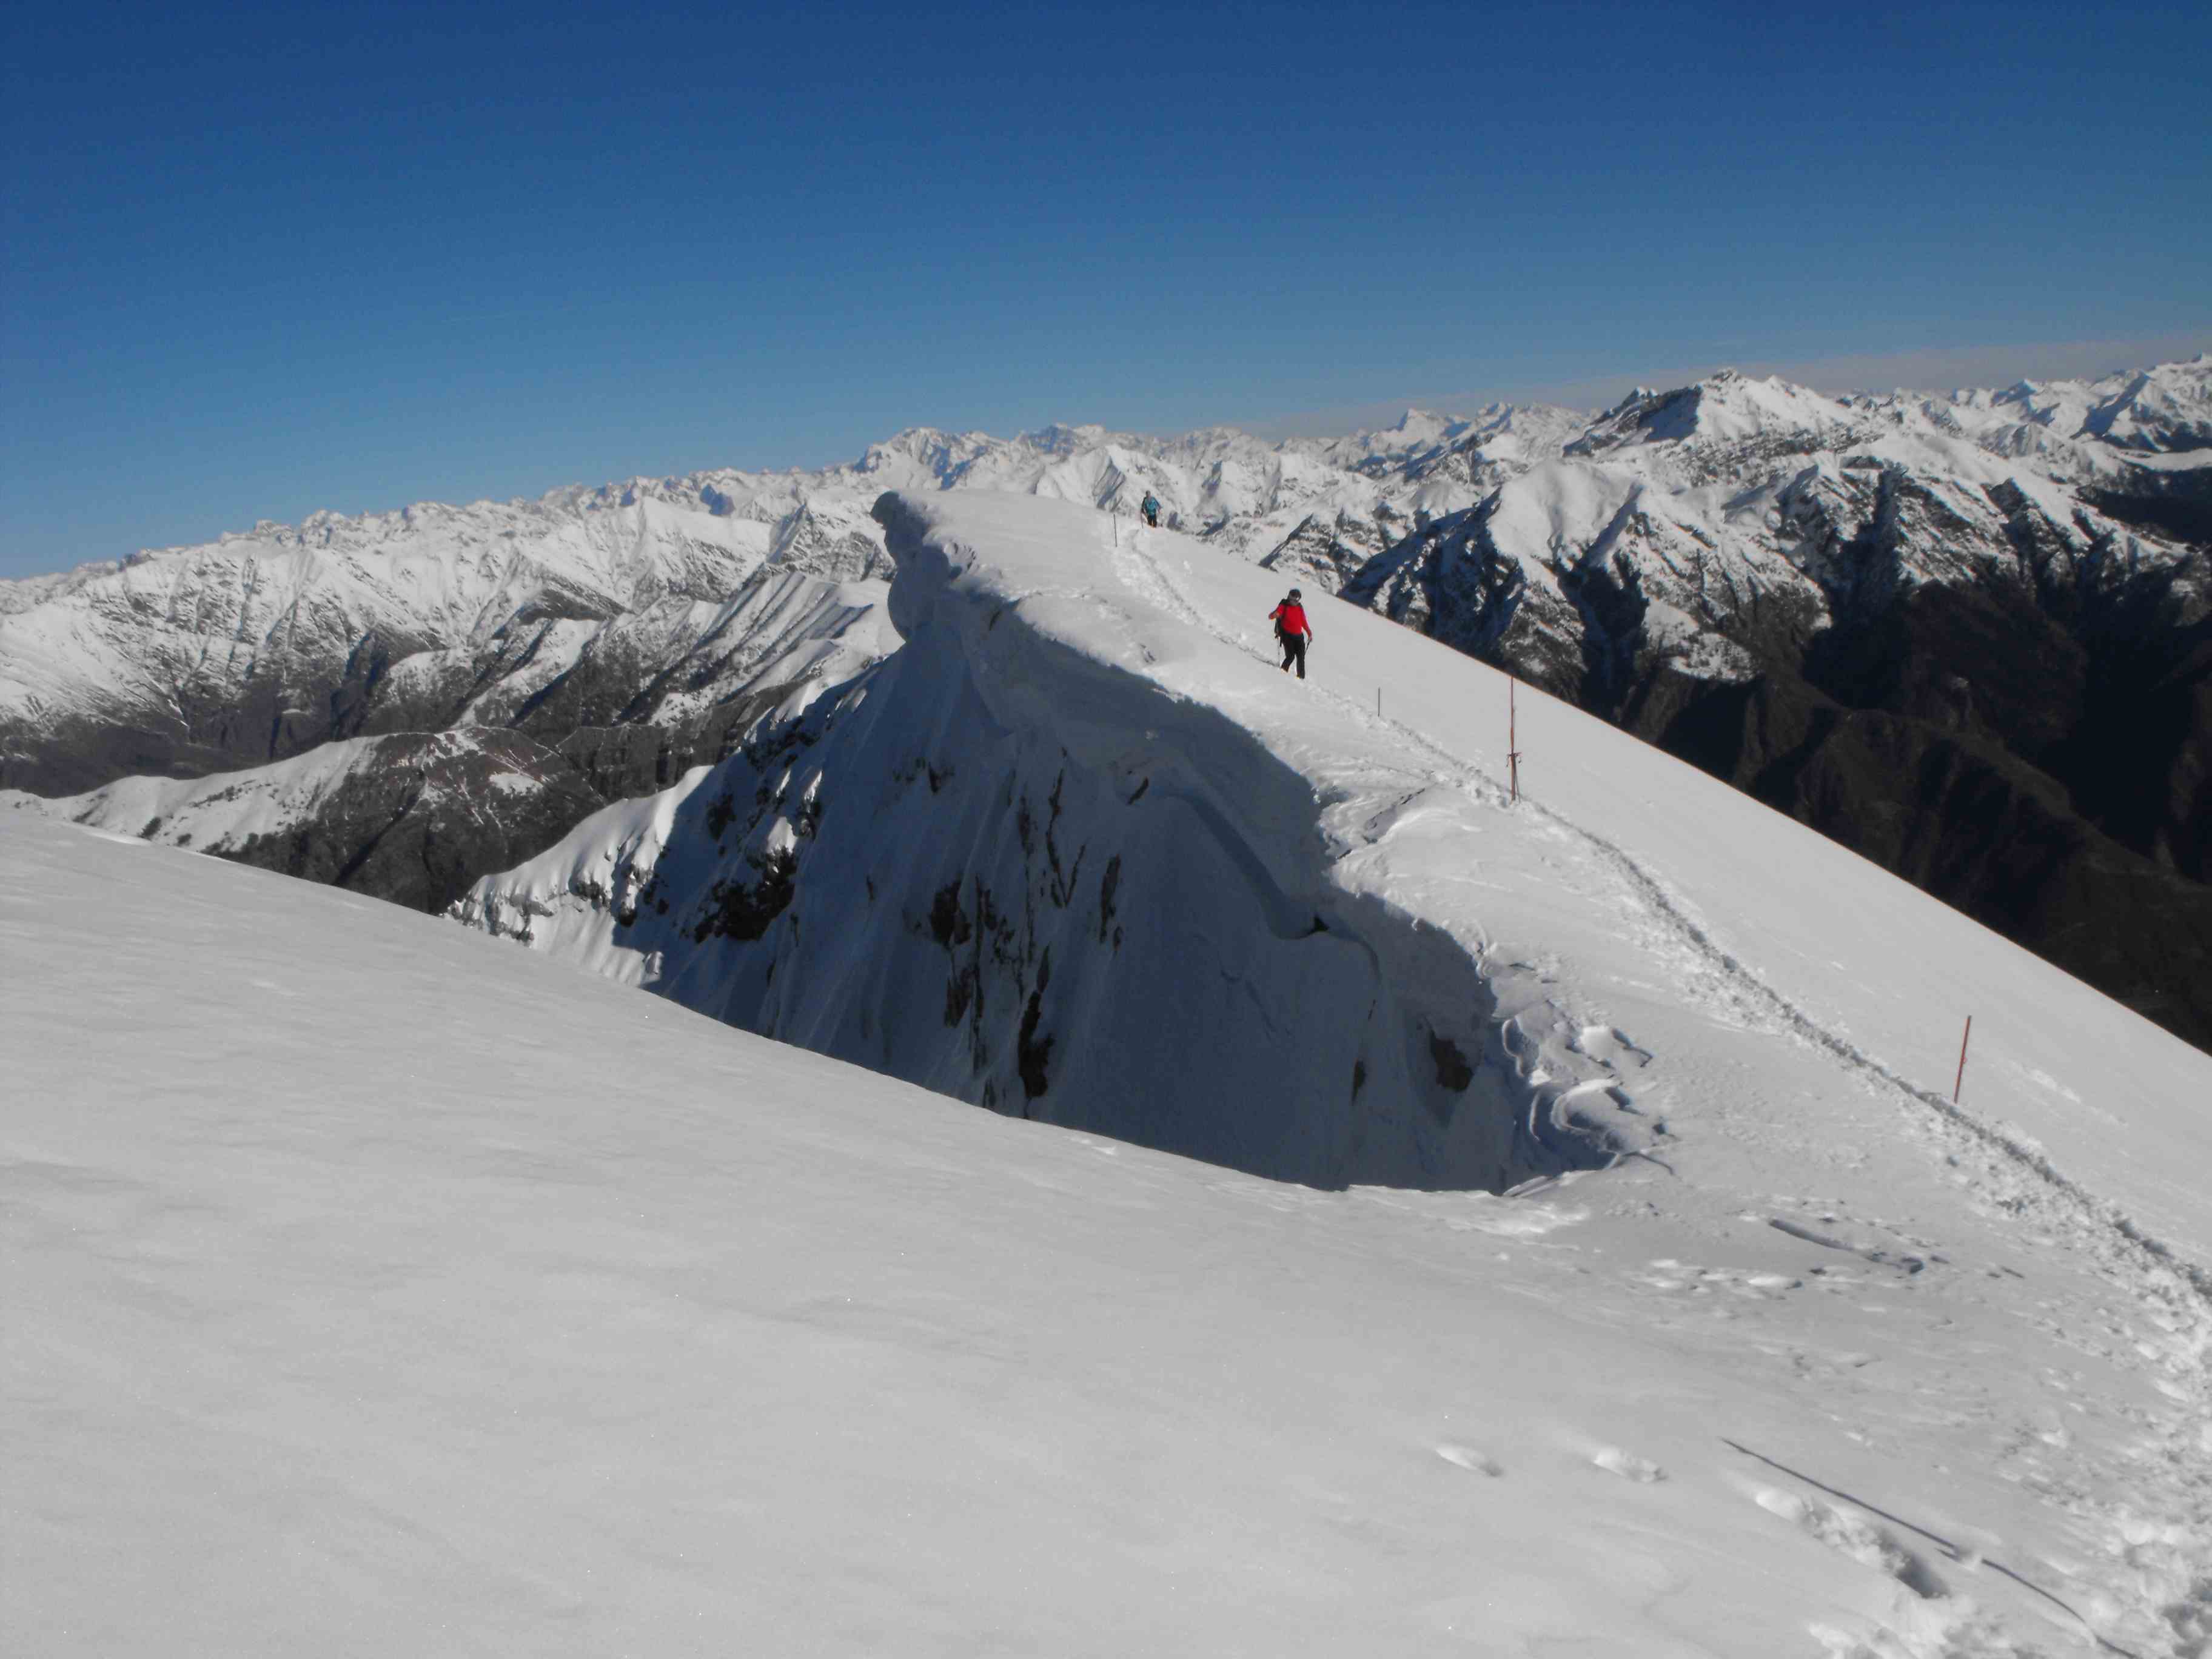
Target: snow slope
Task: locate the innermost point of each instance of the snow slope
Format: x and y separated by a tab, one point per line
1336	950
373	1288
1072	693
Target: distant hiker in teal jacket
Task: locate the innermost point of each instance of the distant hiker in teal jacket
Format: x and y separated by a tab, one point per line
1150	509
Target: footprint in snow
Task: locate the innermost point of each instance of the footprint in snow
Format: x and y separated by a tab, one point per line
1853	1535
1627	1464
1609	1045
1467	1458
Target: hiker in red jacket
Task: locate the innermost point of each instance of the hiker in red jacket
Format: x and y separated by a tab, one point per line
1292	631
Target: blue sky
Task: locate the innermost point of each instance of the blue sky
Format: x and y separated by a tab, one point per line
257	262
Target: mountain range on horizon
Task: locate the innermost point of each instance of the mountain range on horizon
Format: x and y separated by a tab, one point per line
1967	635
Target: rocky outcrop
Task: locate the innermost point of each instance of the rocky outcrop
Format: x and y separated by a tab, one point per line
413	818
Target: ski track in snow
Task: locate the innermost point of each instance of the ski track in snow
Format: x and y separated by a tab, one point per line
2015	1177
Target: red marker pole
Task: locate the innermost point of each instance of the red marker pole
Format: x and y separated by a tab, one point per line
1959	1082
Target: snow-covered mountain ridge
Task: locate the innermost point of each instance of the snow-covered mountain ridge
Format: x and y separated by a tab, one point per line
1079	852
170	628
1082	784
1959	632
1002	865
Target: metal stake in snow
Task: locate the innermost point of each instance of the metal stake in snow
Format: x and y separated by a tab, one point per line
1959	1082
1512	739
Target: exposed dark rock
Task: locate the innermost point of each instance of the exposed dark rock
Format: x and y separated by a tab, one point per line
1452	1072
423	818
742	910
2177	504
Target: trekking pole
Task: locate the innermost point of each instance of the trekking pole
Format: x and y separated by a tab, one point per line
1512	737
1959	1082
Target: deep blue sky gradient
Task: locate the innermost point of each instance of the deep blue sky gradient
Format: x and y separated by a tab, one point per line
257	261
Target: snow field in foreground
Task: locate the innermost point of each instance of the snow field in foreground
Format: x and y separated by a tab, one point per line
376	1288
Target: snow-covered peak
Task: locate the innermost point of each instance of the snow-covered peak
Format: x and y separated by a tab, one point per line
1523	433
1415	436
1419	427
921	452
1725	408
2165	409
23	592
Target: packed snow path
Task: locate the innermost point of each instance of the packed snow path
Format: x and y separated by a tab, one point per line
373	1288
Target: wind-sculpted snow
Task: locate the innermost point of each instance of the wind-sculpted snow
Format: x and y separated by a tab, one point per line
1020	863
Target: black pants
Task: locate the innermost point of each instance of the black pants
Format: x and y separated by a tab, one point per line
1294	651
1152	519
